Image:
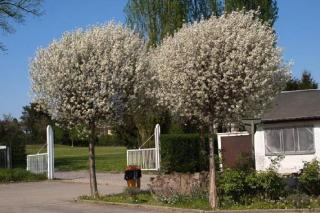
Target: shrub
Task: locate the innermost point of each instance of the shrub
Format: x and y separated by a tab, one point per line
183	153
267	185
232	185
298	200
171	197
241	186
245	162
309	178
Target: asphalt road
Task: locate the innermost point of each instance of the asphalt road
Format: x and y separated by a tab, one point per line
58	196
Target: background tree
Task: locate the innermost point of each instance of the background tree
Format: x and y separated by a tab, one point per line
34	122
15	11
78	134
11	135
157	19
268	8
88	77
306	82
219	71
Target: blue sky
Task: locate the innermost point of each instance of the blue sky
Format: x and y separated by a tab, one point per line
298	28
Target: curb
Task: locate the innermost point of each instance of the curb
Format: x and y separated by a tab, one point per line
174	209
143	206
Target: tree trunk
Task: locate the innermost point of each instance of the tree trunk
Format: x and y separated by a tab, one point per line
92	162
213	200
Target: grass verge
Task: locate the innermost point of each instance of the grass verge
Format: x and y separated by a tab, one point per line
19	175
146	198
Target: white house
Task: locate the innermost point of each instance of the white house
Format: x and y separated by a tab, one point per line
290	128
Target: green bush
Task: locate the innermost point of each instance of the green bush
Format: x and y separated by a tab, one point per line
267	185
183	153
232	185
241	186
298	200
19	175
309	178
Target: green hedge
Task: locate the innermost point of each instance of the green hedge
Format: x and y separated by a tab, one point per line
183	153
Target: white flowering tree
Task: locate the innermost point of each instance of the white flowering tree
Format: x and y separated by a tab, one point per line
219	71
90	76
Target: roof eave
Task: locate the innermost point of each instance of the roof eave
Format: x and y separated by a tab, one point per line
281	120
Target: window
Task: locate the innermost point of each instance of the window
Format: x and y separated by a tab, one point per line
291	140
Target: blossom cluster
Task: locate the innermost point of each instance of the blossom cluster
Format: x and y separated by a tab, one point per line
220	70
90	75
217	70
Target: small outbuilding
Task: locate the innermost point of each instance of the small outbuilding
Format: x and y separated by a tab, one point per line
289	128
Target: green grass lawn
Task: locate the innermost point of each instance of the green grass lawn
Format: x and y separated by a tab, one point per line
145	197
19	175
76	158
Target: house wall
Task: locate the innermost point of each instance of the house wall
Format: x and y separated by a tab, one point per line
290	163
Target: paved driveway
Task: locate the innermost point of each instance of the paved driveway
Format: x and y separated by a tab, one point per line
58	196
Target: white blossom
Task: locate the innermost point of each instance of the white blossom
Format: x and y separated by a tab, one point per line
90	75
220	69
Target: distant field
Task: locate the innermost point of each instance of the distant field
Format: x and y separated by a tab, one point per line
76	158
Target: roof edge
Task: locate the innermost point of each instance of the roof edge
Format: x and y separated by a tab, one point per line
302	90
290	119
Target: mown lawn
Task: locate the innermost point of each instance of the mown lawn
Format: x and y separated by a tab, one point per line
179	201
19	175
76	158
145	197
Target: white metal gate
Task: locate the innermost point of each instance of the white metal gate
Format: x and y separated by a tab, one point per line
43	162
37	163
146	159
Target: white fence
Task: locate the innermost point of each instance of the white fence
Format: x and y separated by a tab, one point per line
146	159
44	162
37	163
5	157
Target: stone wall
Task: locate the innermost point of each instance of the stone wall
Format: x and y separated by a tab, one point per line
179	183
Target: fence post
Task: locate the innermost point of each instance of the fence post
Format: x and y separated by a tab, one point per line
9	165
50	151
157	145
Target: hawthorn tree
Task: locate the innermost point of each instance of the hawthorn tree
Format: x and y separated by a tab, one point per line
90	76
218	71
